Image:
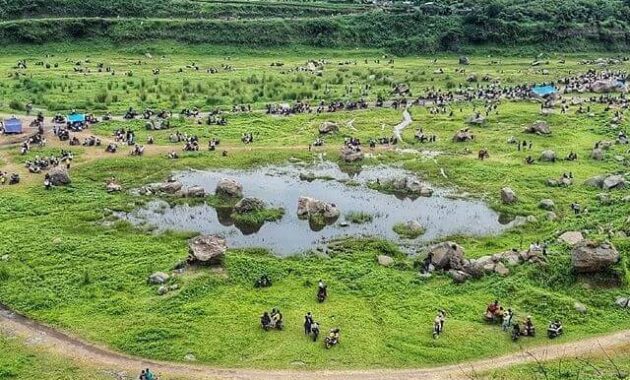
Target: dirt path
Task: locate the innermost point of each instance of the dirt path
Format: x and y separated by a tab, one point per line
403	124
64	345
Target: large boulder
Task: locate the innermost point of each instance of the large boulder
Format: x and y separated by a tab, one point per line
607	182
328	127
308	207
249	204
605	86
463	60
548	156
508	196
447	255
623	302
458	276
597	181
539	128
614	182
207	249
59	176
590	257
229	187
349	154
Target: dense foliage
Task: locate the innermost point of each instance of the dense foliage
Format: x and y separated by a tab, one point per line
402	29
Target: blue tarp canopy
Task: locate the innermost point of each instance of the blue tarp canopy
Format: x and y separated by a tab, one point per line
544	90
12	125
76	118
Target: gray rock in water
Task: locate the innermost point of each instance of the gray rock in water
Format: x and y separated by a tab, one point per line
158	278
308	207
249	204
229	187
590	257
207	249
59	176
508	196
385	261
547	204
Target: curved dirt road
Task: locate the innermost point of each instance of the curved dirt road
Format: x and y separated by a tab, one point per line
92	355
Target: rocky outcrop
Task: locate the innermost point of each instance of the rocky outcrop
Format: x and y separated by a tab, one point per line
228	187
207	249
539	128
249	204
309	207
59	176
590	257
447	255
508	196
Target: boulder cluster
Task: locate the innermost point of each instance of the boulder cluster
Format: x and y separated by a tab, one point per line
449	257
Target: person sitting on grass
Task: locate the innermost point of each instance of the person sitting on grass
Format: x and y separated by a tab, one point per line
493	310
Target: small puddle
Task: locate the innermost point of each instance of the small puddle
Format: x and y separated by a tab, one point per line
281	187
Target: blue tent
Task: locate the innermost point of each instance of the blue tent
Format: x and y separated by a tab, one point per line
13	125
544	90
76	118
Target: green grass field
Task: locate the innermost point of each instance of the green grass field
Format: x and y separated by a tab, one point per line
66	268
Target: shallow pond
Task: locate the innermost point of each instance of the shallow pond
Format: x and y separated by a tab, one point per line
441	214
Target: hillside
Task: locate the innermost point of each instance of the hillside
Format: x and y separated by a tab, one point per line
575	25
